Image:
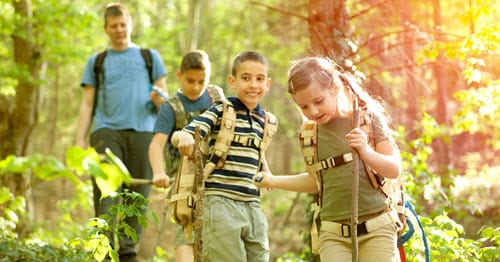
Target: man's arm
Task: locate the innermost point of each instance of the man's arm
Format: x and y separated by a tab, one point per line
161	86
85	116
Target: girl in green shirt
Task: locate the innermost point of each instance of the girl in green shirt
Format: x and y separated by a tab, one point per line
324	95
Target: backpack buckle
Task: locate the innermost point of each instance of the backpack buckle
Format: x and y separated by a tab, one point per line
214	158
345	230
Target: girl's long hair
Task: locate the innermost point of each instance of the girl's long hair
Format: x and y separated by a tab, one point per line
328	74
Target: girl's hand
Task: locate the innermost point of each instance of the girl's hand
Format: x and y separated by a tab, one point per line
358	140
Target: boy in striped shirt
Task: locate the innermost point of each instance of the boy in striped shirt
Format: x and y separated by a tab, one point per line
235	228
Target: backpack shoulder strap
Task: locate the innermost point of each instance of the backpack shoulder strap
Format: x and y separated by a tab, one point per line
270	128
223	141
308	145
216	93
148	59
308	141
179	112
99	75
98	64
392	189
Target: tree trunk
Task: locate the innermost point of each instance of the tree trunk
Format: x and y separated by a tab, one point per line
411	90
442	94
192	32
330	32
24	115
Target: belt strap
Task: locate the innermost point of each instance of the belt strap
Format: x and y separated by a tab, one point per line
363	228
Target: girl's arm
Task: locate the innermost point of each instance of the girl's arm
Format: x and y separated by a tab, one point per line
384	159
303	182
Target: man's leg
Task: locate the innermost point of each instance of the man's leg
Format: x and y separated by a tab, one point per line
100	140
137	162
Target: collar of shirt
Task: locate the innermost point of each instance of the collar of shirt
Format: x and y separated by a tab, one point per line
238	105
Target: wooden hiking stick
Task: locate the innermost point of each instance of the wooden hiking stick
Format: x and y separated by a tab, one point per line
199	187
355	187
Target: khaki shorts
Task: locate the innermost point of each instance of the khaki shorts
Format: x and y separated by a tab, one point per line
234	231
379	244
180	238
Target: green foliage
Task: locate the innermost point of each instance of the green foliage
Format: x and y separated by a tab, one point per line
13	250
72	241
480	112
447	243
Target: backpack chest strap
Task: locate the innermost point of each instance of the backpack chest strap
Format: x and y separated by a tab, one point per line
332	162
248	141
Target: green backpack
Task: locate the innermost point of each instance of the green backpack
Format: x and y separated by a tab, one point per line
172	155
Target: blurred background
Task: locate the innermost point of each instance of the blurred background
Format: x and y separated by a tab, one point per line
435	64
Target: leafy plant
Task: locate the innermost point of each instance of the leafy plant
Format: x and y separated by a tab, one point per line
82	242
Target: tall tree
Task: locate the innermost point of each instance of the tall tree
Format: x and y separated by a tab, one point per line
330	32
408	57
24	114
442	84
15	139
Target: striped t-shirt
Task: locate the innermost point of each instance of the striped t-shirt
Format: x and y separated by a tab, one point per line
234	179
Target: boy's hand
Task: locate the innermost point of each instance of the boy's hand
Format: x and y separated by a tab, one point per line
358	140
185	142
263	179
161	180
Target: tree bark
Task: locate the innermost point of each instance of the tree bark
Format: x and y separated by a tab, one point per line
409	73
441	90
23	117
330	32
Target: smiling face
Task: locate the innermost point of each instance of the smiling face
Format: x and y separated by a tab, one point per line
250	82
193	82
118	28
317	102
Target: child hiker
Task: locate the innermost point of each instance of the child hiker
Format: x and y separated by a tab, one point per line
324	94
192	98
234	226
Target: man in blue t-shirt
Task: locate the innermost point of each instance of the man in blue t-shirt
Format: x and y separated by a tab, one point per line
121	119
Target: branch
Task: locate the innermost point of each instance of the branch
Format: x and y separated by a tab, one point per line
391	46
364	11
280	10
399	67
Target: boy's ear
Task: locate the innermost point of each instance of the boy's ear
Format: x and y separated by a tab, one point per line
269	82
231	80
178	74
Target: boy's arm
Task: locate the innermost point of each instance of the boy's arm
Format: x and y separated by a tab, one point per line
160	178
184	141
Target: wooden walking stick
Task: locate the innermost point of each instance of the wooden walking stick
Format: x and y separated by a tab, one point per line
199	187
355	186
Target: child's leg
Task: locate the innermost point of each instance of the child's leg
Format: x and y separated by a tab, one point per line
333	247
223	223
256	239
380	243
